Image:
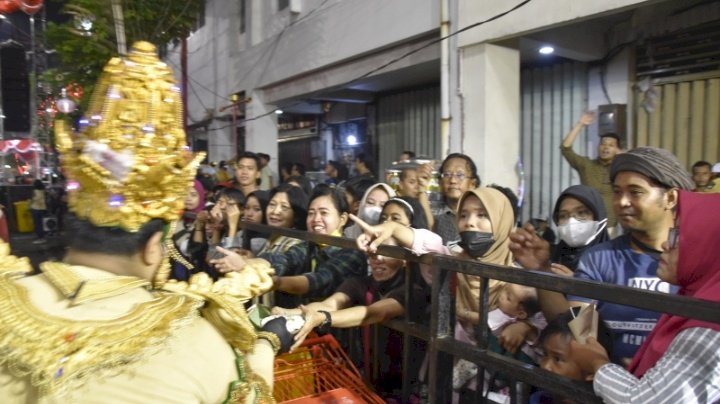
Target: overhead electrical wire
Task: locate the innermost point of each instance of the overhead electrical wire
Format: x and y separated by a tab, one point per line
412	52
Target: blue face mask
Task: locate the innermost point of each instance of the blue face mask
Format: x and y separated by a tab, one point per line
476	243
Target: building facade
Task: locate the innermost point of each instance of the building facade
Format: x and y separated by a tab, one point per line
371	76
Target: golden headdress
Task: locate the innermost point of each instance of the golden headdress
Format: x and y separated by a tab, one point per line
130	164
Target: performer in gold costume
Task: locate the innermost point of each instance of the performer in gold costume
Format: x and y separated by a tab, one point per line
104	325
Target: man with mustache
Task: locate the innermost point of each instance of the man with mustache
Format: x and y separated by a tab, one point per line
645	181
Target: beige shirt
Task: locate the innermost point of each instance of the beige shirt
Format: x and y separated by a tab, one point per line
194	365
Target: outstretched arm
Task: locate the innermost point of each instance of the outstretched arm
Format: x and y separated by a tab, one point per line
586	119
335	302
373	236
377	312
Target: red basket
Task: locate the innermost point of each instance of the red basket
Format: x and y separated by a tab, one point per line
317	368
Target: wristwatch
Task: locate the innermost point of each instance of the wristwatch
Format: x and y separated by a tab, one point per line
324	328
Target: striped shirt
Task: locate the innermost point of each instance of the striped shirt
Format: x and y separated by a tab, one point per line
594	174
688	372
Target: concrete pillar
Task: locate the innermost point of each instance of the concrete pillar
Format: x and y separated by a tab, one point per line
490	77
261	134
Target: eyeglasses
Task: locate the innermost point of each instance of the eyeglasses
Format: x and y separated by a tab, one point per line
581	215
274	205
673	237
459	175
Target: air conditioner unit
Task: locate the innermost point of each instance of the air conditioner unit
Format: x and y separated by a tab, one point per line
296	6
50	223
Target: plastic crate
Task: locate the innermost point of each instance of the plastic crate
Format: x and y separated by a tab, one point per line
317	368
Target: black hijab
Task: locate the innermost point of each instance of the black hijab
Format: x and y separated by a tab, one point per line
563	253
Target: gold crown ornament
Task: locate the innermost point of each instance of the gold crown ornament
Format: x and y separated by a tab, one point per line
130	164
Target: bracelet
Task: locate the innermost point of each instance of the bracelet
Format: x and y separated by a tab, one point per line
273	339
324	328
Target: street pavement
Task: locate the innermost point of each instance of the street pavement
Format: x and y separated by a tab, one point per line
21	245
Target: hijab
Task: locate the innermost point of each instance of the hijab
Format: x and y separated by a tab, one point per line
500	212
565	254
201	197
698	274
354	231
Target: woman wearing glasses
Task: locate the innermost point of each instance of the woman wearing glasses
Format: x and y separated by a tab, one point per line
679	362
581	219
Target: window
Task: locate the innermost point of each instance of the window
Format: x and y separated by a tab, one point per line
283	4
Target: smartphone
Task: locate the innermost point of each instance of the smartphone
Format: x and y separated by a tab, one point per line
215	254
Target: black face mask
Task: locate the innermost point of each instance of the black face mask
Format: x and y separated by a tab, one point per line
476	243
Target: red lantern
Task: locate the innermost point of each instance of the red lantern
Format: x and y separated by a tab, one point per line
8	6
30	7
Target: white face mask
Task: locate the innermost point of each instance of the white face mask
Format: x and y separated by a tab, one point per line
370	214
576	233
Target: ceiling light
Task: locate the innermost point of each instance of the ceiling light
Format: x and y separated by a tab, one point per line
279	111
546	50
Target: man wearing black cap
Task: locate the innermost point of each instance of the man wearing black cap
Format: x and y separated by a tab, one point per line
645	184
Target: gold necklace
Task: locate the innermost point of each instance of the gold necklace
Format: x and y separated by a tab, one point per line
173	252
59	354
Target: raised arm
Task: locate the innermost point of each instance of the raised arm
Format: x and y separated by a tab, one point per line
586	119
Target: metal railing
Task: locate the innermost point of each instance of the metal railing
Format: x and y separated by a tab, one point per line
441	344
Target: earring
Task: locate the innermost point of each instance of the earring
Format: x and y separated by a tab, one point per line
162	274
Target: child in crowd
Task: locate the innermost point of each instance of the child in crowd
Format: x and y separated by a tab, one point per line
515	303
558	344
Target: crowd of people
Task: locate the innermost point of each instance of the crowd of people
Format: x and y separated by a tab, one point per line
119	320
328	285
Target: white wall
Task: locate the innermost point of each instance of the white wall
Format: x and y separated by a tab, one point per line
279	46
535	15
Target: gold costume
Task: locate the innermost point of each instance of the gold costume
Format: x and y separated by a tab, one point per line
81	334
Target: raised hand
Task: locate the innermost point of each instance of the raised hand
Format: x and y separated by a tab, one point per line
587	118
424	173
529	250
233	213
216	214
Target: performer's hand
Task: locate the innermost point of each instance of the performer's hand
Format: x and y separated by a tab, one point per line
232	261
529	250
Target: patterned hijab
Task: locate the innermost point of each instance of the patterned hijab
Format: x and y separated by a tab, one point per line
501	216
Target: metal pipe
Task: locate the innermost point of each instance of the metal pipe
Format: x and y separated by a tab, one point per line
444	79
119	27
33	82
